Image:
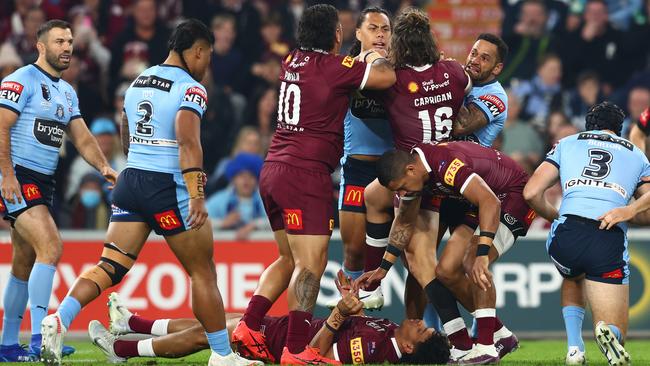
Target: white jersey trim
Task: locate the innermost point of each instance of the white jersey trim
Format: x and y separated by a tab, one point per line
396	347
420	68
152	142
336	351
462	189
423	159
366	75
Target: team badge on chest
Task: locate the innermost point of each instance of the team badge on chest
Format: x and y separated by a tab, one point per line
59	112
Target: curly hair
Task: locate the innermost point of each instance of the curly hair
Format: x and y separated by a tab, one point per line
355	50
317	28
412	42
434	350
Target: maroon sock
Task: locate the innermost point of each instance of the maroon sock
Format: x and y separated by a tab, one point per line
140	325
126	348
298	331
460	339
485	330
257	309
497	324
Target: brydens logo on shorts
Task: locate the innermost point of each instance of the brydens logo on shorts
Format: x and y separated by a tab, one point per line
168	220
353	196
31	192
293	219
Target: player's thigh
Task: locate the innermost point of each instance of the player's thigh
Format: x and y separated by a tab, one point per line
379	202
309	251
421	250
36	226
130	237
194	249
23	256
609	302
451	258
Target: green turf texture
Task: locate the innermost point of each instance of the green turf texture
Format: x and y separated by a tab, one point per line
530	353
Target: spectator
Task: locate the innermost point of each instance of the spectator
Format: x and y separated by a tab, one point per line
529	42
239	206
248	26
637	38
265	115
24	43
90	100
348	20
118	102
579	100
106	134
227	64
88	208
275	46
142	43
542	94
95	58
9	60
520	141
621	13
556	121
637	102
247	141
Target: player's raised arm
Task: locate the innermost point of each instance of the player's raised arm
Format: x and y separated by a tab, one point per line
190	155
10	186
381	74
349	305
87	146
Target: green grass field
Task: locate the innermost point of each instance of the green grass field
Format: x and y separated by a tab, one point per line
531	353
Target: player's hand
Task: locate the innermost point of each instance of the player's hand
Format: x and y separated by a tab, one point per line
198	213
110	175
480	273
10	188
369	278
616	215
349	304
343	283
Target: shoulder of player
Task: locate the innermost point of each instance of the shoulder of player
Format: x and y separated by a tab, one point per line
23	75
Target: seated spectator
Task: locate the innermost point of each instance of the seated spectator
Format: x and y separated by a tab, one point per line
586	94
239	206
275	46
556	121
520	140
105	131
247	141
637	101
90	100
264	117
9	60
228	65
24	43
543	93
348	20
88	207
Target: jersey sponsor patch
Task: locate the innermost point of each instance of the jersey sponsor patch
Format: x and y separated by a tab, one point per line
353	196
153	81
348	61
356	351
413	87
48	132
11	90
168	220
197	95
31	192
452	169
494	104
293	219
617	273
595	183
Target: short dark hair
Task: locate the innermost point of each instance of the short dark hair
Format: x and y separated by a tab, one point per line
355	50
46	27
502	46
588	75
434	350
605	116
317	28
412	42
187	33
391	164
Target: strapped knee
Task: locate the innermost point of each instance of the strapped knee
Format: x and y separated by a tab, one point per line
112	267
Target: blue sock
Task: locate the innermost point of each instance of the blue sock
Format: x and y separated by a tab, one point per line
431	318
68	310
219	342
40	289
573	317
616	331
352	274
15	302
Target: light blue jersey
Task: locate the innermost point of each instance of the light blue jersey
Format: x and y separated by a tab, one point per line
151	104
366	128
599	171
45	105
492	100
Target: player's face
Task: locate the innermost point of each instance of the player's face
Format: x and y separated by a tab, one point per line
415	331
482	61
58	48
204	52
411	181
374	32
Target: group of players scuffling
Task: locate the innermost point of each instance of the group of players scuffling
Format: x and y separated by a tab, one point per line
415	131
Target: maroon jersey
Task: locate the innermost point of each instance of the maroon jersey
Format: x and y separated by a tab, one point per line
359	340
313	100
424	101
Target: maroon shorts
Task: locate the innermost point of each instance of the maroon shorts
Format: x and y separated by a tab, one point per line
275	329
296	200
516	214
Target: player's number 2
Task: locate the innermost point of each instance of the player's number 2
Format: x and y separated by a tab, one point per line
143	126
442	120
289	96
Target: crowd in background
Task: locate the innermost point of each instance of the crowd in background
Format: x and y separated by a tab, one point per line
565	56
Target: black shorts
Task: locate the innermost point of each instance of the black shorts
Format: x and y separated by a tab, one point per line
159	199
355	176
455	212
578	246
36	188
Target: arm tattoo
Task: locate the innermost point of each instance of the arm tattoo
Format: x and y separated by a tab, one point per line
306	290
124	134
470	118
400	235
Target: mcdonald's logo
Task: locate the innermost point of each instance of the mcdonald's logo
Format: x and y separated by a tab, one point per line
31	192
353	196
331	224
293	219
168	220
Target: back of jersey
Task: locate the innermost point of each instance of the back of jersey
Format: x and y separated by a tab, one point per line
151	104
598	171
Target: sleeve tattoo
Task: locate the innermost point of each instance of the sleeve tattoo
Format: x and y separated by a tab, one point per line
470	118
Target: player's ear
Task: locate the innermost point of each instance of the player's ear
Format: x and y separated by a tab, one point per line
358	34
497	69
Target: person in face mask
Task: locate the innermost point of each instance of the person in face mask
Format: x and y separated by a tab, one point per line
88	207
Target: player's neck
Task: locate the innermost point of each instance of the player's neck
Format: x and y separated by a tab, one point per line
45	66
175	60
398	339
490	79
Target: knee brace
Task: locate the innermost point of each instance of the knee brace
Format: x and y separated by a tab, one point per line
112	267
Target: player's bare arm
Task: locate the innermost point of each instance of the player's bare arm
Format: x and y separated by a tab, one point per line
124	133
10	186
87	146
629	212
382	74
349	305
545	176
637	137
469	119
190	155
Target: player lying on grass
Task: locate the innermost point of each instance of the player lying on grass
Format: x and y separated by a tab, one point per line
347	335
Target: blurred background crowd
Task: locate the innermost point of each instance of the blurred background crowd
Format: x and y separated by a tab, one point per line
565	56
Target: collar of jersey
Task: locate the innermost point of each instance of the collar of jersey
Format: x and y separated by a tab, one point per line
419	68
176	66
314	50
488	83
53	78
